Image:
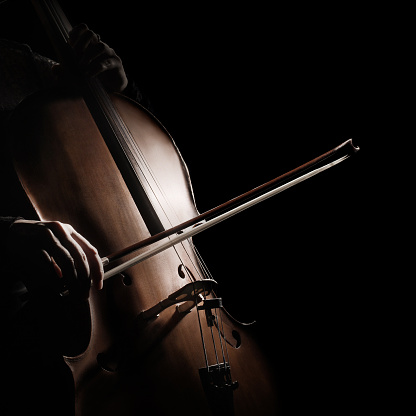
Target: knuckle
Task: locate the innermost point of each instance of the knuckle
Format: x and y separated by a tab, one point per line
55	226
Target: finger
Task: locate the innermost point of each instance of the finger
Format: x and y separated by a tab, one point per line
64	232
94	260
65	252
62	257
96	53
55	265
104	64
81	38
50	274
96	58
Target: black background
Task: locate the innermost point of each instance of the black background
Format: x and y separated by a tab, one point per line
249	92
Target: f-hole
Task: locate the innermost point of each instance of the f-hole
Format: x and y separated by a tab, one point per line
184	272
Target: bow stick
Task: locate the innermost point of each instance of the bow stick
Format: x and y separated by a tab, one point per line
236	205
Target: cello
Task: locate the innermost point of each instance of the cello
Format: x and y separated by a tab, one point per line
108	167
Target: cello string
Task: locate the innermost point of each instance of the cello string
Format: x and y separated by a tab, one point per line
225	343
202	338
141	164
208	273
132	151
214	345
143	161
126	135
115	121
219	333
168	202
201	261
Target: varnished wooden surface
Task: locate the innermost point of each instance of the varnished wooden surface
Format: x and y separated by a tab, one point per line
70	176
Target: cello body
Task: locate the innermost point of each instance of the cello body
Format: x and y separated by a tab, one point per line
174	362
